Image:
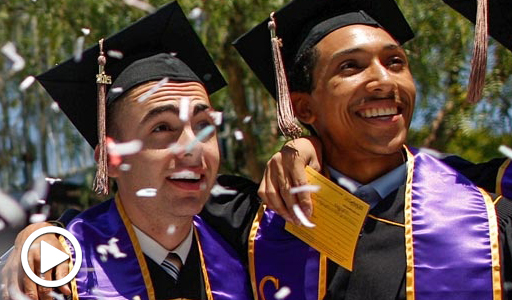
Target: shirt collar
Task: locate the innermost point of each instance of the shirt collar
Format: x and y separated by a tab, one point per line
383	185
157	252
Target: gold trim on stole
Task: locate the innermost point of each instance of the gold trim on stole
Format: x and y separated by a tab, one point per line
136	246
409	251
322	277
203	268
501	173
72	283
495	245
252	236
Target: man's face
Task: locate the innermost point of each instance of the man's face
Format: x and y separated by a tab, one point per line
363	99
182	180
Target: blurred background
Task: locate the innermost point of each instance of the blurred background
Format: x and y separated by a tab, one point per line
37	140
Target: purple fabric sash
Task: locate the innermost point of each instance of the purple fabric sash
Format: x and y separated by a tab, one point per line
280	259
451	234
506	181
125	278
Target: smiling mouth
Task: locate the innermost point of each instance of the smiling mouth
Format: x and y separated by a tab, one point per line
381	112
187	179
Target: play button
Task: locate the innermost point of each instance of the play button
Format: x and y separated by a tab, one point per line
51	257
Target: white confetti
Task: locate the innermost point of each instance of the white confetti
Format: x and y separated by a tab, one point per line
171	229
55	107
111	248
216	116
239	135
56	296
86	31
27	82
136	297
79	48
147	192
152	90
41	201
347	184
15	293
140	5
176	148
305	188
302	217
115	54
247	119
506	151
18	63
12	212
432	152
202	186
116	90
2	224
184	107
125	167
220	190
51	180
36	218
201	135
282	293
195	13
127	148
29	199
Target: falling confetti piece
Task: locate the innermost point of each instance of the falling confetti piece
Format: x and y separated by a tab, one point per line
176	148
216	116
171	229
111	248
2	224
29	199
247	119
147	192
115	54
11	211
195	13
56	296
36	218
201	135
55	107
300	214
116	90
220	190
282	293
136	298
27	82
51	180
140	5
347	184
125	167
10	51
506	151
239	135
41	201
152	90
184	107
127	148
86	31
15	293
79	48
305	188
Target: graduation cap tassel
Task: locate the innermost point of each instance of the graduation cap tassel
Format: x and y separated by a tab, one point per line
285	116
479	61
101	180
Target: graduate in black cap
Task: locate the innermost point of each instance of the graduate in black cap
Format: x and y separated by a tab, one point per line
430	234
153	104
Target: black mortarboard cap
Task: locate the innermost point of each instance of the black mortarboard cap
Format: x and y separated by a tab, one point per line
167	32
500	17
303	22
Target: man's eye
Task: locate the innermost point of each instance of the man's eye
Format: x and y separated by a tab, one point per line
162	127
348	65
201	125
396	63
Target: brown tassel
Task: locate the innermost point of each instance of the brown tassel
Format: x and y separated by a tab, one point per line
100	185
285	116
479	61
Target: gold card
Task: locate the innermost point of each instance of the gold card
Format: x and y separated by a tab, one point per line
339	217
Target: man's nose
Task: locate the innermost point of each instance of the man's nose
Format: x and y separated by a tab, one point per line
380	80
192	148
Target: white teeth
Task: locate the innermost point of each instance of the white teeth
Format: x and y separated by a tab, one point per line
378	112
185	174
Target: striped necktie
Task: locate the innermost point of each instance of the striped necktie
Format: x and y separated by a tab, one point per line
172	265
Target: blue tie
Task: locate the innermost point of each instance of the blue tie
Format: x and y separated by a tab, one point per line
172	265
368	194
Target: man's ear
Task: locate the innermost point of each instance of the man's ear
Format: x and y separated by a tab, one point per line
302	107
113	170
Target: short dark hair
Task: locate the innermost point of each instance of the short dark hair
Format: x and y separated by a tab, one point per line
300	77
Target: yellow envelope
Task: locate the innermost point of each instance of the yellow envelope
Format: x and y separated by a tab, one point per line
339	217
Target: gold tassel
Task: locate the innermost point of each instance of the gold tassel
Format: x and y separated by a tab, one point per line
479	60
285	116
100	185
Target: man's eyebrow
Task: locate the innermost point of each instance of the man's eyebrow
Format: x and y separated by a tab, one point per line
357	49
159	110
200	108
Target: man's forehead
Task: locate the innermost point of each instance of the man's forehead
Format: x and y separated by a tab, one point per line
357	34
176	91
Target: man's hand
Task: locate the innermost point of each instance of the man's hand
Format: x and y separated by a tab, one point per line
15	279
286	170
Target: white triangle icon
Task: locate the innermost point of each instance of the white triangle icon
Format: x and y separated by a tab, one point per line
51	257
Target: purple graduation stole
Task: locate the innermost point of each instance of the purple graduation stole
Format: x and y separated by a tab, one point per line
504	180
127	276
447	257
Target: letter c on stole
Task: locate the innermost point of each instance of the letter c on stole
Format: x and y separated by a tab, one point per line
274	280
